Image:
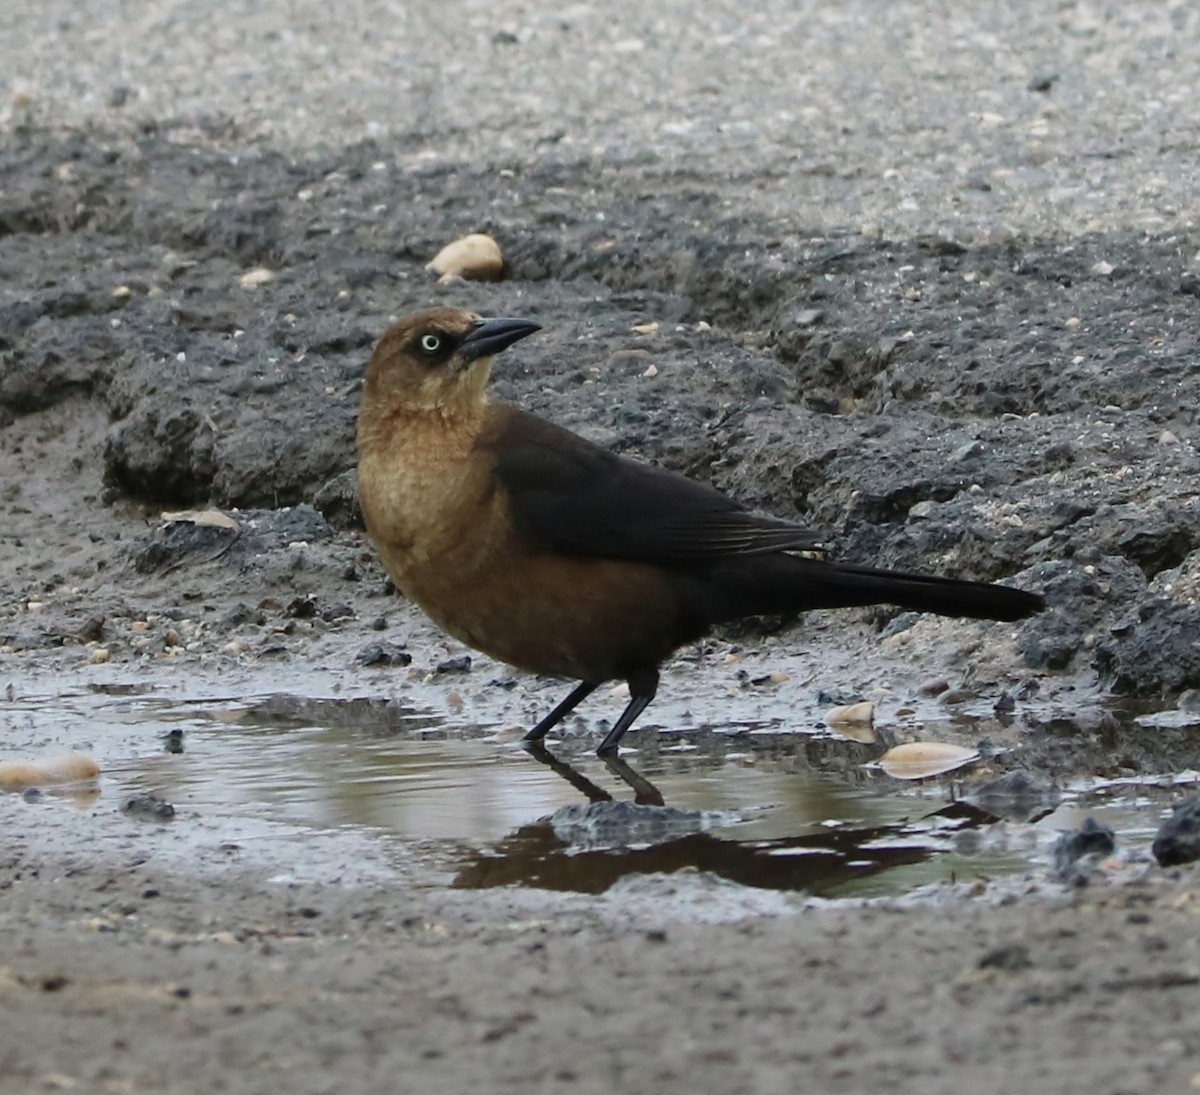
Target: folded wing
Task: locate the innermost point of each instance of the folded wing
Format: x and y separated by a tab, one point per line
568	495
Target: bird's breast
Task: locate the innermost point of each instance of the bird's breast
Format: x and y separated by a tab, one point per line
424	497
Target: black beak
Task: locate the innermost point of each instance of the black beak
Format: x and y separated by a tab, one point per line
490	336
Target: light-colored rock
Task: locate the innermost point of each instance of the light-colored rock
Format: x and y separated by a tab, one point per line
475	257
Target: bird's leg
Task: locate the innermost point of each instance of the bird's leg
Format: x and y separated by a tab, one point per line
642	686
581	692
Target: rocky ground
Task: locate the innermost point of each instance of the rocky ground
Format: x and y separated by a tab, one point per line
925	278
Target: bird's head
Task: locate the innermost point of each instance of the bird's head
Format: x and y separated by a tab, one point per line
438	362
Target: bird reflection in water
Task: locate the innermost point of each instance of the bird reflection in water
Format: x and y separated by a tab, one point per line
645	836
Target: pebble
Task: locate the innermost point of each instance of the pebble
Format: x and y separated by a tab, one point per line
382	653
93	630
1006	956
645	328
968	451
1091	838
460	664
1103	269
302	608
1178	838
149	808
808	317
260	275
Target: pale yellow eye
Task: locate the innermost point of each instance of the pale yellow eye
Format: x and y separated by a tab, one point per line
431	343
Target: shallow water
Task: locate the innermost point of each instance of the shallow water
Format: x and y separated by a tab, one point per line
316	783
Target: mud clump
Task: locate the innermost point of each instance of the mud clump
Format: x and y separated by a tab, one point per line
382	654
248	534
1016	796
1077	852
1178	838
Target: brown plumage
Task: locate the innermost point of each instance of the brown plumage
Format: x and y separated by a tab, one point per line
545	551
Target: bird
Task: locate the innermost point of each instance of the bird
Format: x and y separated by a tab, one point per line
544	550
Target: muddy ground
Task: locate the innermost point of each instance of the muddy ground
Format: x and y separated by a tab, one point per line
925	279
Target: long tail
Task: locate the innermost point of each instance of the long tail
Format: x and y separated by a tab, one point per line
787	583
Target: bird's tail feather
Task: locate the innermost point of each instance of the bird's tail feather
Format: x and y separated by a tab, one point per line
789	583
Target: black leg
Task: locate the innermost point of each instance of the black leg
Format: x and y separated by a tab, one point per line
581	693
642	687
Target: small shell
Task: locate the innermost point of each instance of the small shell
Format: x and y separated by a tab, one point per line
475	257
921	759
213	518
850	713
15	775
855	721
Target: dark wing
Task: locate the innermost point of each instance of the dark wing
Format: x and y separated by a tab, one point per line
568	495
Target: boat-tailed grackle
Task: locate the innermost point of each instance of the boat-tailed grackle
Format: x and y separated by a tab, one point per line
550	553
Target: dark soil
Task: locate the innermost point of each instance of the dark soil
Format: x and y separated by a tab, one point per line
1019	411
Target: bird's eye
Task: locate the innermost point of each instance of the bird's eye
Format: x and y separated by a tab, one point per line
431	343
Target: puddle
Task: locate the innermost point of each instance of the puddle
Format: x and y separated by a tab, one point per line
338	788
